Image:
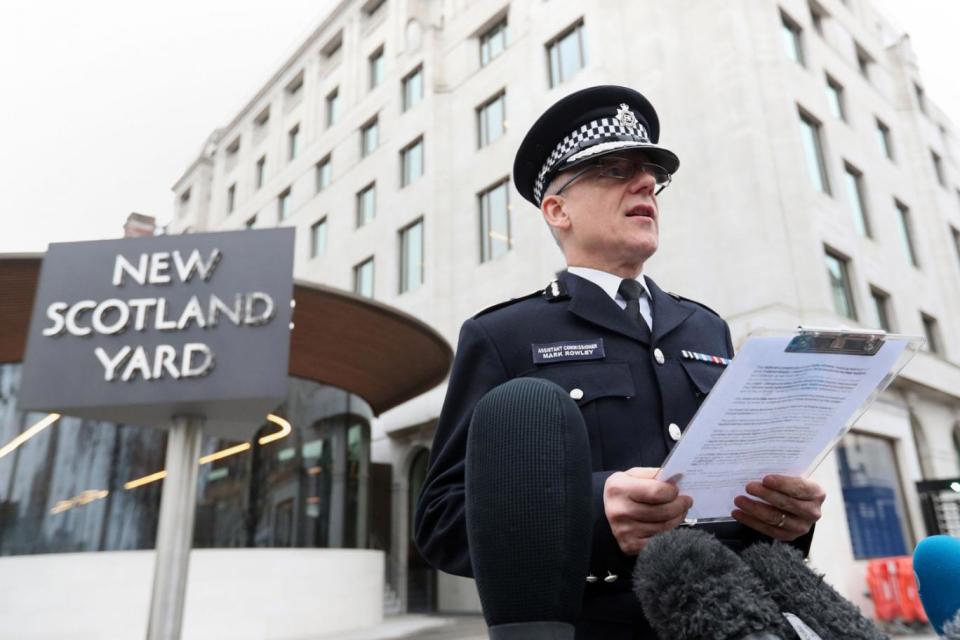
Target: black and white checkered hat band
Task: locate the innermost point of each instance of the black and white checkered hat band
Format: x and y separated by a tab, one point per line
588	135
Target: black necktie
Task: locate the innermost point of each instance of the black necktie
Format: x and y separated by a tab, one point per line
632	291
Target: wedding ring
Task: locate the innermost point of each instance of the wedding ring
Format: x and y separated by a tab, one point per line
783	518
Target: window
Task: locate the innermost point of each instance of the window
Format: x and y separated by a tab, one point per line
333	107
493	41
251	223
366	204
363	278
372	7
494	221
260	122
231	197
318	237
938	168
411	162
294	88
883	137
293	142
835	98
921	98
881	309
876	511
906	232
956	240
864	60
333	47
375	65
491	119
792	42
369	138
232	153
260	171
840	289
413	88
854	180
817	16
813	149
184	200
411	256
323	175
932	332
283	204
566	54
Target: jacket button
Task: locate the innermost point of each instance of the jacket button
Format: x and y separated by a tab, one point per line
576	394
674	430
658	356
591	578
611	577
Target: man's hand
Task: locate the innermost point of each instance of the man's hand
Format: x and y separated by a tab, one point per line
639	507
791	507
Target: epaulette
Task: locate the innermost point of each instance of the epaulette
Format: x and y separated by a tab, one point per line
506	303
680	298
555	291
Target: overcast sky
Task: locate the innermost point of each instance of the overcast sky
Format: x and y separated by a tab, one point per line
106	102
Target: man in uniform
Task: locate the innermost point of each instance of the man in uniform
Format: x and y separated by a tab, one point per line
628	353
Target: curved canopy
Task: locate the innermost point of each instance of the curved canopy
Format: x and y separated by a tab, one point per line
380	353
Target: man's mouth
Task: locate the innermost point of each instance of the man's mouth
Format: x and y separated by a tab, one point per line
642	210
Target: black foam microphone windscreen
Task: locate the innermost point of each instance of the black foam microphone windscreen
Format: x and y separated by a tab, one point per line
692	587
798	590
528	509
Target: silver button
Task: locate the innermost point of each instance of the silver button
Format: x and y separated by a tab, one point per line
674	430
658	356
576	394
591	578
611	577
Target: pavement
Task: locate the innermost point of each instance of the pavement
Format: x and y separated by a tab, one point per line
462	627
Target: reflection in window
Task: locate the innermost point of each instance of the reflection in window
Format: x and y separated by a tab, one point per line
494	222
842	293
83	485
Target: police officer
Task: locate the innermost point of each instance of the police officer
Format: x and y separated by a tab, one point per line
628	353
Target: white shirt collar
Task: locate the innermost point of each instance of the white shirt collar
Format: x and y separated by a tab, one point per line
609	282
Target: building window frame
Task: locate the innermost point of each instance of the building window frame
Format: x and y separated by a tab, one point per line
363	284
557	72
885	138
938	168
495	223
489	127
231	198
792	34
293	142
366	204
369	136
411	266
841	285
323	173
813	147
905	228
412	164
836	98
260	171
376	62
283	204
411	93
881	308
493	41
331	103
318	237
931	330
857	198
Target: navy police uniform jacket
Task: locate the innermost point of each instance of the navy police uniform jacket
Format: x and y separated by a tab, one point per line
635	384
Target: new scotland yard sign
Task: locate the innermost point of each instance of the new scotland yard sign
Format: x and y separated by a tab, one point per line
141	329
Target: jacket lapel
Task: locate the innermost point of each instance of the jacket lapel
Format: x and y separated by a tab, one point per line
668	312
590	302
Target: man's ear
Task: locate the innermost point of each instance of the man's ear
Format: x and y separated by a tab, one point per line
552	209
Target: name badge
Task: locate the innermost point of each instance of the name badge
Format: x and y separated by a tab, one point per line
568	350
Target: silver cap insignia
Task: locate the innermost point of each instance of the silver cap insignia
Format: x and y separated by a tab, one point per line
626	117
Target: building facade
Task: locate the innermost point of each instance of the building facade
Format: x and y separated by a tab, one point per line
818	185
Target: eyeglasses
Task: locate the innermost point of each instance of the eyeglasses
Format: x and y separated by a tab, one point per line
622	169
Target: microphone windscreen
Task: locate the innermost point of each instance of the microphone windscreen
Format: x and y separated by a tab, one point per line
693	587
951	630
528	507
936	564
798	590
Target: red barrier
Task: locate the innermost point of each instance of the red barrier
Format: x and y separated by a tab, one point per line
893	589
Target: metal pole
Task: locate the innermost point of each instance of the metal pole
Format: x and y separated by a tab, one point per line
175	529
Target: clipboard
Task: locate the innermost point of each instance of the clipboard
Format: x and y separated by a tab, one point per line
825	375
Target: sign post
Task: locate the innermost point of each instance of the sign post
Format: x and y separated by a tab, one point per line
188	333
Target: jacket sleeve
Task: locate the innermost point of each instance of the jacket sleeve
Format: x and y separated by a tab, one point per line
440	523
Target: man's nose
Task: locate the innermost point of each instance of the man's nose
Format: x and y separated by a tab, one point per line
642	181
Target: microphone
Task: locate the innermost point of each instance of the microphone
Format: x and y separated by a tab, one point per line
692	587
797	590
528	509
936	564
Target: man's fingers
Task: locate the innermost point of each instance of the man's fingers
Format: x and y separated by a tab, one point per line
806	509
644	473
772	517
795	487
659	513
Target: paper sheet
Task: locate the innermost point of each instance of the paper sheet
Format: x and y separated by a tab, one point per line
770	412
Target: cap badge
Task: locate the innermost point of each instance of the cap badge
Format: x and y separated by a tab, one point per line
626	117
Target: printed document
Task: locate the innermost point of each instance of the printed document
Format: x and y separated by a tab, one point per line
771	412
